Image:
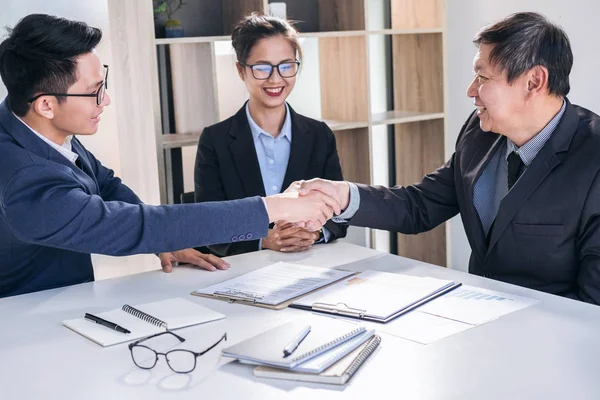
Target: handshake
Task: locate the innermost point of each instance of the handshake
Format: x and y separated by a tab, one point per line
309	204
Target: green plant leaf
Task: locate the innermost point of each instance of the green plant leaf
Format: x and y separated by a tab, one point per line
162	8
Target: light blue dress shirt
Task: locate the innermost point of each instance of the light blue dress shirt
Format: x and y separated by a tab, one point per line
273	156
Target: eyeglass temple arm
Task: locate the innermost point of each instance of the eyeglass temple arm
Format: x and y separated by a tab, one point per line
224	337
155	335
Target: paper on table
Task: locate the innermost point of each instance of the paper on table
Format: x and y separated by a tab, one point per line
475	306
379	294
277	283
417	327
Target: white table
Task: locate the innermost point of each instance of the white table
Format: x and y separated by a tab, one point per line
548	351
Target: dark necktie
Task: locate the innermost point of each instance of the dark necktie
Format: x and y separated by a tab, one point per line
515	164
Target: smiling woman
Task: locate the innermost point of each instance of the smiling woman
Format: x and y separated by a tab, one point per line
266	146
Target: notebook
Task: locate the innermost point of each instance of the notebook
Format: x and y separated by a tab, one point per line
338	374
326	334
143	320
274	286
376	296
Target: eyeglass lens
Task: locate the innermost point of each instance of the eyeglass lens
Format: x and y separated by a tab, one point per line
264	71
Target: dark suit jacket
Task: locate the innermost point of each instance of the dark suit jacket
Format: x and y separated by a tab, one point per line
546	235
54	214
227	165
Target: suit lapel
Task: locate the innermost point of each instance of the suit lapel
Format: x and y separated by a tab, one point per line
546	160
486	148
301	150
244	155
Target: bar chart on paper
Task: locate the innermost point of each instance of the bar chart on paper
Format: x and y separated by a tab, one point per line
475	306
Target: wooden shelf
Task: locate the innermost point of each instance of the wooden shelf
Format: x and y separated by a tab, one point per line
211	39
355	72
197	39
177	140
335	125
402	117
353	150
419	148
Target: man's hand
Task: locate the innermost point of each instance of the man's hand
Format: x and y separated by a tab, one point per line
339	190
289	206
194	257
289	238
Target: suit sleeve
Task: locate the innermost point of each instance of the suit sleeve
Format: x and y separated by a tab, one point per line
48	207
333	172
588	278
111	187
416	208
208	187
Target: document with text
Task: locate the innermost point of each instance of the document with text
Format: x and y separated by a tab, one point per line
276	283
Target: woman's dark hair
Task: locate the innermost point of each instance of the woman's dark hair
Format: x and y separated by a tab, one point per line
256	27
39	55
522	41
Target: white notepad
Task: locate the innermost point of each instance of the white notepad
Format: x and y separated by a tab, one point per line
326	335
152	317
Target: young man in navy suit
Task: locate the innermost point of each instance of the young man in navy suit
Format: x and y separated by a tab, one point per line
58	203
525	175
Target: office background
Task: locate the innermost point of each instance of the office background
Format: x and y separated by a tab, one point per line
124	143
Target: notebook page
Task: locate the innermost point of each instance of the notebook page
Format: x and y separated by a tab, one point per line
107	337
179	313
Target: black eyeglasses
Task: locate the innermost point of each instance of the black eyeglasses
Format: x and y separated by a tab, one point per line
99	94
264	71
179	360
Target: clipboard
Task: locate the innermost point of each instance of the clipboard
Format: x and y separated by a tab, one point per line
247	298
355	311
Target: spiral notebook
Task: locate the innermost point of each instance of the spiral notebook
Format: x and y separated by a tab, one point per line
337	374
143	320
325	337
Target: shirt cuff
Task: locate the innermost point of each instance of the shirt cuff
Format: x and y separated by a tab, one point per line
326	236
352	208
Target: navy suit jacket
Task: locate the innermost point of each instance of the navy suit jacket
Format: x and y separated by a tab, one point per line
54	214
546	235
227	166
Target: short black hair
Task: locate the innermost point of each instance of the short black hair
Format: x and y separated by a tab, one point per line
257	26
39	55
525	40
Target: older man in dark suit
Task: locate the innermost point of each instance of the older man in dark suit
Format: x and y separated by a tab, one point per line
525	175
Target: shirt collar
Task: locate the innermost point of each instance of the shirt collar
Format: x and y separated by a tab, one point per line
530	150
66	149
286	129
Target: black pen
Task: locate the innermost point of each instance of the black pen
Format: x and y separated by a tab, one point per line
105	323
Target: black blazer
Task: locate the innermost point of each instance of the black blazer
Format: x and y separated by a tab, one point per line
546	235
227	165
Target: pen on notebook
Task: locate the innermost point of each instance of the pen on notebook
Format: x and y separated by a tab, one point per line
293	345
106	323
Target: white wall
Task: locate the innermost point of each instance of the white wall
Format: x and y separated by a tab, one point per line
105	144
464	18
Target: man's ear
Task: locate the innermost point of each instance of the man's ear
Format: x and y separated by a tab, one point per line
537	80
45	106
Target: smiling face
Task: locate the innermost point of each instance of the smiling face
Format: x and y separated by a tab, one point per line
272	92
500	104
81	115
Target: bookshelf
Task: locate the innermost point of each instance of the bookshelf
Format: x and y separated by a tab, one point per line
373	71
